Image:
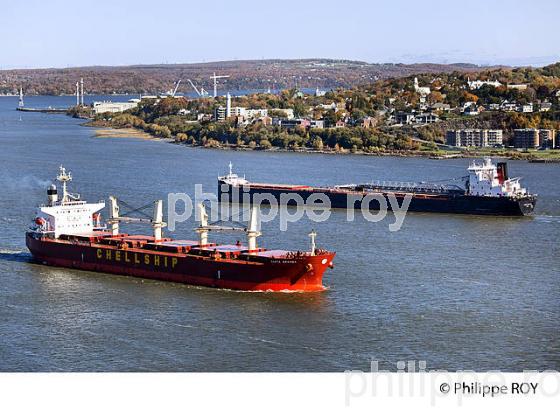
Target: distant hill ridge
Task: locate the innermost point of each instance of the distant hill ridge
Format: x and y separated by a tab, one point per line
244	74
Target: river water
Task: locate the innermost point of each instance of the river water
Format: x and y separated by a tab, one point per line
459	292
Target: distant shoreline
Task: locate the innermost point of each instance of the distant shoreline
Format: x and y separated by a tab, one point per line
125	132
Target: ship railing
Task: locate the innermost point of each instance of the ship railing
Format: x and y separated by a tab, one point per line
60	203
41	230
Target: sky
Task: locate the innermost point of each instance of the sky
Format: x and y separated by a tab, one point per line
62	33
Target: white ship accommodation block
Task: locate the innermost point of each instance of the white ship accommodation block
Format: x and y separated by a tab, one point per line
70	218
70	215
486	179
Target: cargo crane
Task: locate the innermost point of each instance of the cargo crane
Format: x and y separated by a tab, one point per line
215	78
201	93
173	91
156	221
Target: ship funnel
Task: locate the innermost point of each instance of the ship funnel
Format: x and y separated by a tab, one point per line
157	221
114	216
313	235
52	195
203	229
502	172
252	232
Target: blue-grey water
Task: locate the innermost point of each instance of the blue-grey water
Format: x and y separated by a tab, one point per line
459	292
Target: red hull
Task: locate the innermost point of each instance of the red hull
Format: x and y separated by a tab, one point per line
301	272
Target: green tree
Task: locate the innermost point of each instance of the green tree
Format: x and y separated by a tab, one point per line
318	143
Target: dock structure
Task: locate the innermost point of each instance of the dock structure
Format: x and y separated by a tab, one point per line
49	110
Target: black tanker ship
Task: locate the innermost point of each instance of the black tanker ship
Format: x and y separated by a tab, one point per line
486	190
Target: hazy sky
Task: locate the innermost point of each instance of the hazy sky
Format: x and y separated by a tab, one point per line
61	33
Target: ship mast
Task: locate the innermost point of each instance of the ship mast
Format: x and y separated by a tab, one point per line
64	178
313	235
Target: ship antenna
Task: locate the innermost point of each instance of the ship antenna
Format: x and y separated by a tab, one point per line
230	169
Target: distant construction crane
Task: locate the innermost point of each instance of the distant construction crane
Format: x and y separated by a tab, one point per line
201	93
215	77
172	91
175	89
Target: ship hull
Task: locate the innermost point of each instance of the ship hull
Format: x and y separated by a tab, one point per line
344	199
302	273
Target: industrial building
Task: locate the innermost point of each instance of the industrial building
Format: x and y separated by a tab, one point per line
100	107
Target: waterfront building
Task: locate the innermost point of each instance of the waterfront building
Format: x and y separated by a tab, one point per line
494	138
547	138
293	123
100	107
534	138
471	137
526	138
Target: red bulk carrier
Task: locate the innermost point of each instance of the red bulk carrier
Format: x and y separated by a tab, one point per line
68	233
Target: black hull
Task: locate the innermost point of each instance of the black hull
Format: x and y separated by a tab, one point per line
343	199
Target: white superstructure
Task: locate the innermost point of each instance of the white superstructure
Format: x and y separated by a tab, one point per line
233	179
485	179
69	215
